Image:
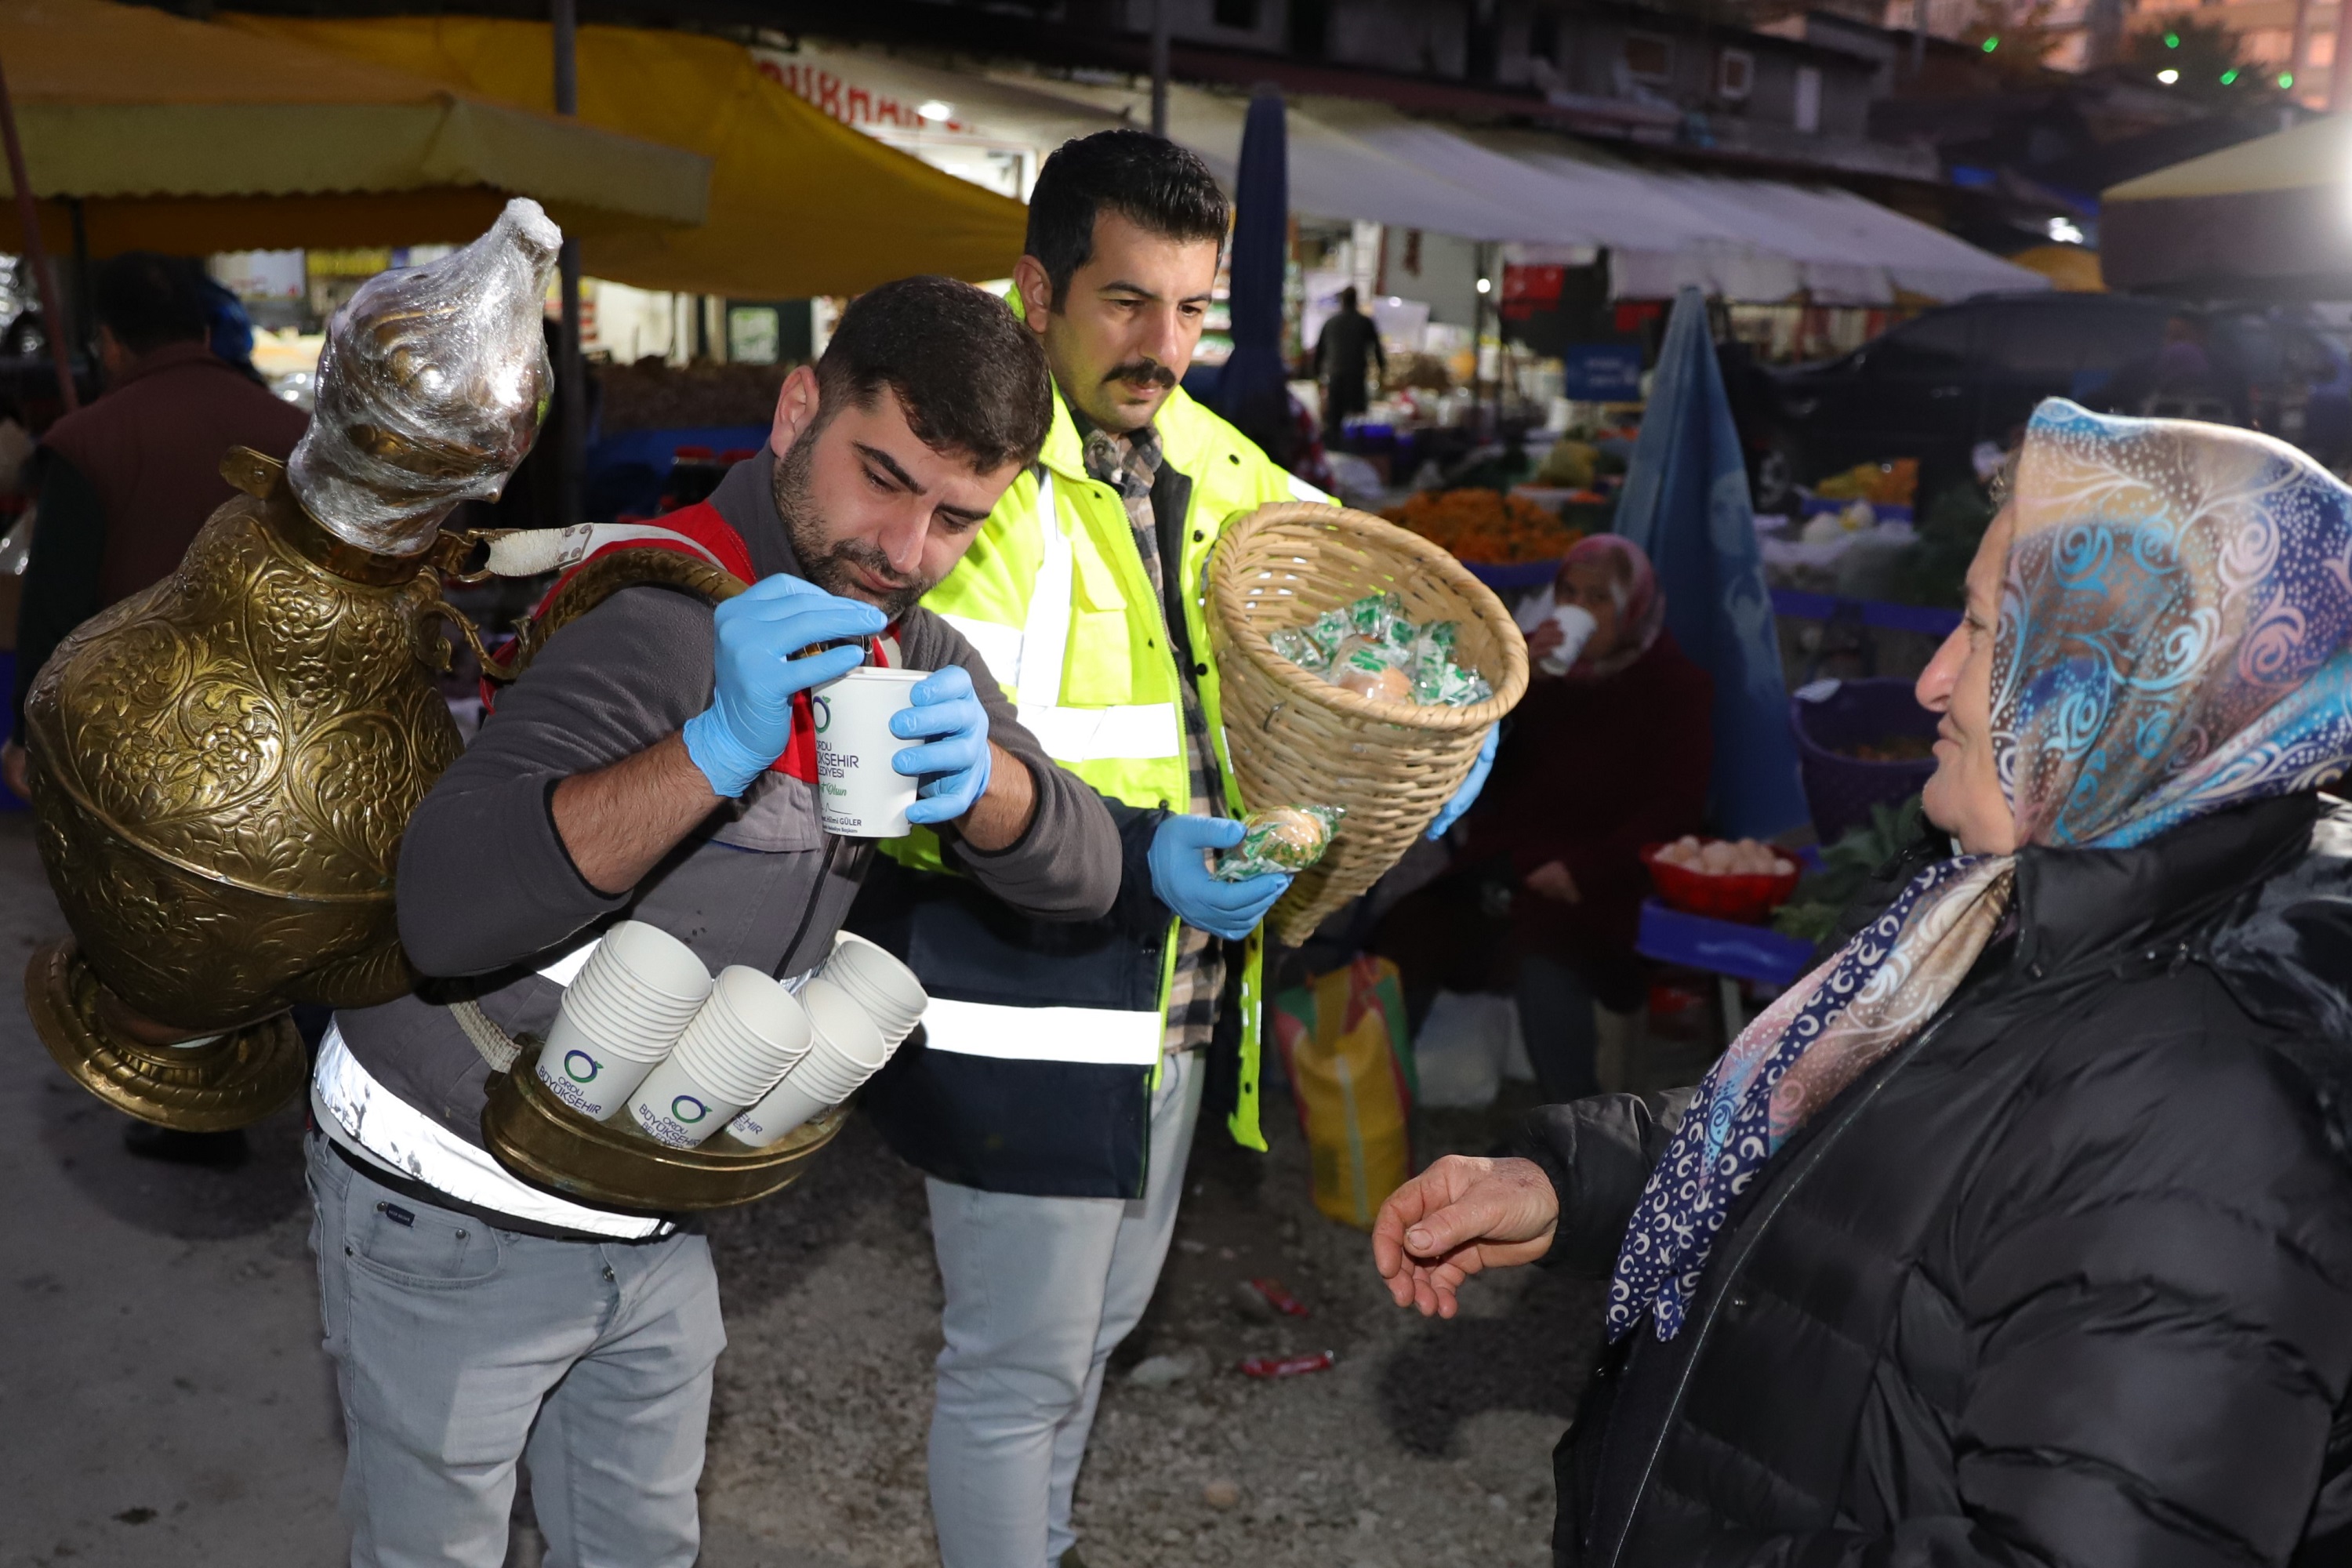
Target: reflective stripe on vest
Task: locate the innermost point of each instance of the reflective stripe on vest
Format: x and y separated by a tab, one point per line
1030	660
1106	1036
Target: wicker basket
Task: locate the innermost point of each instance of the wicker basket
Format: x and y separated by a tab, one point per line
1298	740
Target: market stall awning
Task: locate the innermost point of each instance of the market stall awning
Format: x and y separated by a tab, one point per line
933	112
1754	240
2270	218
191	137
1332	175
1747	239
1848	250
800	204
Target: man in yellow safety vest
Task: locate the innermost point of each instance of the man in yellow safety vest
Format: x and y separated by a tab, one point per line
1054	1104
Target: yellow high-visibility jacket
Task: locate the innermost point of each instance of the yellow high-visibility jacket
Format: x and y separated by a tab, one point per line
1044	1040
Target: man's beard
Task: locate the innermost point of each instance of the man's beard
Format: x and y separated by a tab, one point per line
826	562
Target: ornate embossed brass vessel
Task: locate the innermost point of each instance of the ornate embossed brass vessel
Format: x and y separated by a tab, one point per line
223	764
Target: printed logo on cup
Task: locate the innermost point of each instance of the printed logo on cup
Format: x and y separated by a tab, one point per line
580	1068
688	1109
859	795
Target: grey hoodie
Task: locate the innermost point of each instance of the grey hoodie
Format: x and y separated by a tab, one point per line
487	893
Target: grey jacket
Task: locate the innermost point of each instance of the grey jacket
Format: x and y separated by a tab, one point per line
489	895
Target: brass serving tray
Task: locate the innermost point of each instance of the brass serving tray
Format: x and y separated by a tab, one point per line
544	1142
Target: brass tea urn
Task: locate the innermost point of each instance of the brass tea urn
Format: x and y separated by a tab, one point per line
222	765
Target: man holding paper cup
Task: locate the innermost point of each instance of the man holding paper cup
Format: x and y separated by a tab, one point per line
659	761
1054	1105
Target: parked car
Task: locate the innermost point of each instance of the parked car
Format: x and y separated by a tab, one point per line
1935	385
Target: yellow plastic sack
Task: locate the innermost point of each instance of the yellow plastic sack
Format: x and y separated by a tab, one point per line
1350	1058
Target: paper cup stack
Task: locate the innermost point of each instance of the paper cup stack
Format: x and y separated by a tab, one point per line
879	982
861	1003
644	1027
621	1016
747	1036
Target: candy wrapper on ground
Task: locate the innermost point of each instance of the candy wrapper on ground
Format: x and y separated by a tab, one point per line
1371	648
1279	838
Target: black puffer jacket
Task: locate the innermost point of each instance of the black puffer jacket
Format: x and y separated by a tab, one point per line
2065	1280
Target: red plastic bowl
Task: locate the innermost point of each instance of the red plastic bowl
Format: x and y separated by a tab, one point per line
1746	898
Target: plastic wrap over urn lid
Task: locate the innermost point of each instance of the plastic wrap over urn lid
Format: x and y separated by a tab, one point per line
431	388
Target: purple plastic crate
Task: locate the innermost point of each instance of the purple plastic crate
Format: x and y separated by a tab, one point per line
1841	790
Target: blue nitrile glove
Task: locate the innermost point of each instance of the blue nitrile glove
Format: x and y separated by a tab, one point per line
954	764
749	721
1179	875
1467	795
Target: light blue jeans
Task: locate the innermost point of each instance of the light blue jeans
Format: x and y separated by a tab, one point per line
460	1349
1039	1292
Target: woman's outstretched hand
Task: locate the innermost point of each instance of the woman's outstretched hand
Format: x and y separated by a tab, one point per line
1461	1216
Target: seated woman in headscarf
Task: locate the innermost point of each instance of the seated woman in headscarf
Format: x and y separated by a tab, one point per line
1596	763
2020	1231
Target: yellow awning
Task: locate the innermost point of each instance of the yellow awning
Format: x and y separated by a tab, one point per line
2318	152
2073	269
189	137
800	204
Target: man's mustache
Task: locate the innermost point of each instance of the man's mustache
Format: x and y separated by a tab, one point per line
1141	373
861	553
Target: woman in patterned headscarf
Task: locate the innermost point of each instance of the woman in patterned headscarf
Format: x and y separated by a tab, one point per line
2020	1231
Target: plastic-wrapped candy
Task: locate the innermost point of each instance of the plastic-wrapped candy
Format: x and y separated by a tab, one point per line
1279	838
1371	648
1365	669
1299	646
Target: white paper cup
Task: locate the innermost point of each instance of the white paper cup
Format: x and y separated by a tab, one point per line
879	982
621	1015
780	1111
859	795
745	1037
846	1049
656	963
1576	627
593	1068
846	1045
676	1109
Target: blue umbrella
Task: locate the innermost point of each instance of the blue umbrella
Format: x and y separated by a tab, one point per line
1253	392
1685	504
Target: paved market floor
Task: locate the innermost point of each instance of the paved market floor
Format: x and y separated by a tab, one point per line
164	1400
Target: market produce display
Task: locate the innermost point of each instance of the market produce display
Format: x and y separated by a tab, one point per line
1726	858
1742	880
1279	838
1881	484
1485	526
1371	649
653	395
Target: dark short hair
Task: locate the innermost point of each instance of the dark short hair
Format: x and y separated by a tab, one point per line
1147	180
972	378
1348	296
147	299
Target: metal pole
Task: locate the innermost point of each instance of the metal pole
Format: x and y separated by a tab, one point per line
2340	70
1159	68
570	370
36	255
2301	46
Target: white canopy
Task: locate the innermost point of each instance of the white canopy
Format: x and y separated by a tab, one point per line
1755	240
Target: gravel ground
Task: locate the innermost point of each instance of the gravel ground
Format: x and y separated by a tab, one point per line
1427	1443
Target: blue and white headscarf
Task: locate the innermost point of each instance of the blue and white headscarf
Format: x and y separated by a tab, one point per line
2175	638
